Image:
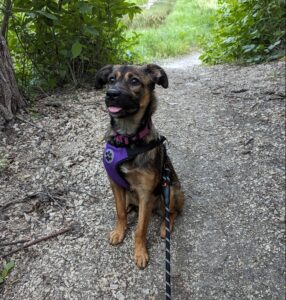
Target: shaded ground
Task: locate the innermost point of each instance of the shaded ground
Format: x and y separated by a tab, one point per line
225	126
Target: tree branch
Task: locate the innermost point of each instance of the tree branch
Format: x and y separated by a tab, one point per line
14	242
44	238
7	13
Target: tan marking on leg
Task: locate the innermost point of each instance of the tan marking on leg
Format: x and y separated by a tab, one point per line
144	183
117	235
145	209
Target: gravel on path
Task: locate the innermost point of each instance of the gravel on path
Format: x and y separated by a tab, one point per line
226	136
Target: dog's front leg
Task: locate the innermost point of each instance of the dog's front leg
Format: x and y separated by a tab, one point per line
145	209
117	235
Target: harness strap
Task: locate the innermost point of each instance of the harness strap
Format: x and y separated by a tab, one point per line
134	150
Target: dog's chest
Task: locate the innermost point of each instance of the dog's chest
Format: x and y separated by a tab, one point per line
125	169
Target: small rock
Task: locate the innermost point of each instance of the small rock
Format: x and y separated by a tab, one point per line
80	158
113	286
69	163
146	291
244	152
120	296
239	91
282	218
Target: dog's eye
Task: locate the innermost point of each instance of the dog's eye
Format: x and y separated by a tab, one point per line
135	81
112	79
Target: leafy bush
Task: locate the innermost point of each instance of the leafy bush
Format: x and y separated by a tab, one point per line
57	41
248	31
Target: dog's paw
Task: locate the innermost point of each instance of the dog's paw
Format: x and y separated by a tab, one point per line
141	258
116	237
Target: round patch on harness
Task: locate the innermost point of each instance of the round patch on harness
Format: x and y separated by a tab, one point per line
109	156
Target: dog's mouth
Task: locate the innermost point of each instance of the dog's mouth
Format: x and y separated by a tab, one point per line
114	109
120	105
120	112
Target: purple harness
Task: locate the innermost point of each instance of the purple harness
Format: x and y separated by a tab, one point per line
115	156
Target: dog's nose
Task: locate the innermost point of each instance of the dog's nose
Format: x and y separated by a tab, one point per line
113	93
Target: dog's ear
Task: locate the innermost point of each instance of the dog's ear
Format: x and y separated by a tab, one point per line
102	75
157	74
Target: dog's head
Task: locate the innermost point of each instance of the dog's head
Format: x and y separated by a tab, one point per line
129	87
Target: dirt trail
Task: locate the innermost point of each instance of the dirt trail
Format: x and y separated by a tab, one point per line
183	62
149	4
225	127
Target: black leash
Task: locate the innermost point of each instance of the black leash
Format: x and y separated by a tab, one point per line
166	194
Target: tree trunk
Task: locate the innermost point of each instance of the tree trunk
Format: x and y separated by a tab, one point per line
10	97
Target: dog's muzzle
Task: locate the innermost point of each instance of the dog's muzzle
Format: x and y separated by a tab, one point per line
120	104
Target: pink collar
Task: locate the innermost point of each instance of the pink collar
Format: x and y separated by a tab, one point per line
132	138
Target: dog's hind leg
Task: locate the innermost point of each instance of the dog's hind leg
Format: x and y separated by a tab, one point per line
179	199
117	235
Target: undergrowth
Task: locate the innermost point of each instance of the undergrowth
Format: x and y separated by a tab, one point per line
5	270
247	32
152	17
53	43
138	2
172	28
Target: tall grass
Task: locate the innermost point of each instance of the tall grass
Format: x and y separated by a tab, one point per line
152	17
183	28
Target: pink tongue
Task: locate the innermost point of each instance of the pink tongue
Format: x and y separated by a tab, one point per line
114	109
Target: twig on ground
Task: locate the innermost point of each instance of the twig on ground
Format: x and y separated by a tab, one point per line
42	90
57	201
25	199
53	104
82	192
32	124
46	193
50	196
41	239
15	242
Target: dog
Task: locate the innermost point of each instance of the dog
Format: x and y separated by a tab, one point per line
134	155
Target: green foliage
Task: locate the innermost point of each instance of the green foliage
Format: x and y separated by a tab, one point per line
54	42
7	268
152	17
138	2
248	31
184	24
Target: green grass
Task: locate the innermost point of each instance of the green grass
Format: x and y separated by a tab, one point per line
138	2
183	27
153	17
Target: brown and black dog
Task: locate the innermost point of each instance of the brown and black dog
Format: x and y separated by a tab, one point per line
131	102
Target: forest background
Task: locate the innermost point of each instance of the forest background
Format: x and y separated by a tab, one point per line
58	42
